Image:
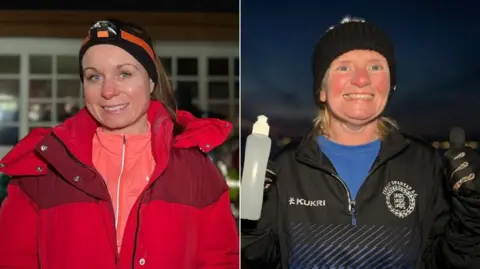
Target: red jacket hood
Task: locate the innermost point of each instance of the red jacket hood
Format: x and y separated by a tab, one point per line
77	132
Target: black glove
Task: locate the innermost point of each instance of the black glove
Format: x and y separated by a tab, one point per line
463	170
270	175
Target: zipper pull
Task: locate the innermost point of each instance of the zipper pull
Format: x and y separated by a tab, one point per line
124	140
353	212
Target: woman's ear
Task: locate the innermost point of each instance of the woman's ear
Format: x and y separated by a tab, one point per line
152	86
323	96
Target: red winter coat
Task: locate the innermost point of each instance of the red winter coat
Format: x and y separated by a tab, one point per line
58	213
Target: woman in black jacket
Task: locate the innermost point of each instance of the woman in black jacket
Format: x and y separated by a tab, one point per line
357	192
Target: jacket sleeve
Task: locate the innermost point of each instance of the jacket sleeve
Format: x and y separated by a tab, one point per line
454	240
259	239
219	240
18	230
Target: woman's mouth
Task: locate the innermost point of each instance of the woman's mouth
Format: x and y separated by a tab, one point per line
358	96
115	109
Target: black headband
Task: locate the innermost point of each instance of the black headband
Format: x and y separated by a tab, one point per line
127	36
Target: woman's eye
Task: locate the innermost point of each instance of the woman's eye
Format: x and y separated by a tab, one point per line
376	67
125	75
93	77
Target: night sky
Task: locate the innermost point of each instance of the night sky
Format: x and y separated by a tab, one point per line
438	61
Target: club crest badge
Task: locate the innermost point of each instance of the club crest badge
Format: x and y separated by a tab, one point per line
400	198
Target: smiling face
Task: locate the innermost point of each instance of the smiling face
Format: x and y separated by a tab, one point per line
117	89
357	87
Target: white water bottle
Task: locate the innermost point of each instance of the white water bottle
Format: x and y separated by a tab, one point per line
257	152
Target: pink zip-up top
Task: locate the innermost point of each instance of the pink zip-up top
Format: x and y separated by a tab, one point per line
126	164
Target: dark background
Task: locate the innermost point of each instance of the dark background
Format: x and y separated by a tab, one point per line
437	48
162	5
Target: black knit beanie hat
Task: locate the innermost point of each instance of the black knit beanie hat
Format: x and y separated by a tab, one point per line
350	34
125	35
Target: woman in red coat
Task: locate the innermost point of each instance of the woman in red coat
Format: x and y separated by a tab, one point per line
124	183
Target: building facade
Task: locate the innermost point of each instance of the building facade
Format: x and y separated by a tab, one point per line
39	81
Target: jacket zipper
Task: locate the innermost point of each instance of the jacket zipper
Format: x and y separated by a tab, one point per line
351	202
117	216
104	184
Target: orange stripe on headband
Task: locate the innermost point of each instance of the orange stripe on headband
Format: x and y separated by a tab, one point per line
130	38
139	42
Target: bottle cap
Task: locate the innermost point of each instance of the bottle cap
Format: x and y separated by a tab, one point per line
261	126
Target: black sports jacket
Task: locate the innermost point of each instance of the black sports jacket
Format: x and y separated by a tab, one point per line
403	215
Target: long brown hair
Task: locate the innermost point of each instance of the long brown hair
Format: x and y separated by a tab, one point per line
163	92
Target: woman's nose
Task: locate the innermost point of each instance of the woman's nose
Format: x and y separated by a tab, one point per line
361	78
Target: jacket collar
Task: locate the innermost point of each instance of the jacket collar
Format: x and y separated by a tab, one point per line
309	152
76	135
